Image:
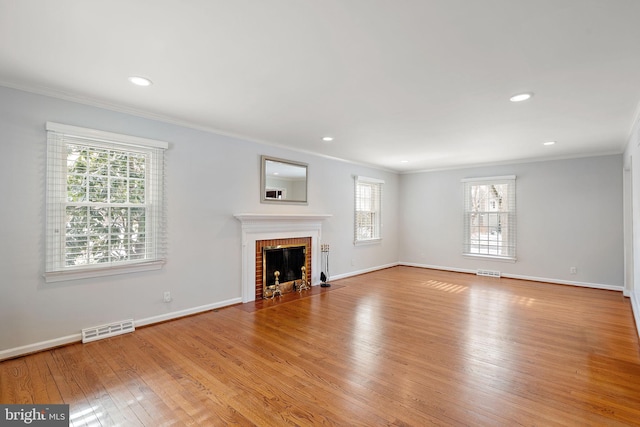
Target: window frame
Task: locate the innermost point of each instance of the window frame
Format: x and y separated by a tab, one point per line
59	138
508	214
376	209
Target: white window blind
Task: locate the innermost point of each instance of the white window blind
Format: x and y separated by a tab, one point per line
490	217
105	203
368	209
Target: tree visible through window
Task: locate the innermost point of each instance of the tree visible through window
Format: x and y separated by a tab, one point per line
104	201
490	217
105	211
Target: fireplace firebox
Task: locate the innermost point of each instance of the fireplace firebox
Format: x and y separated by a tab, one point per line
284	266
287	257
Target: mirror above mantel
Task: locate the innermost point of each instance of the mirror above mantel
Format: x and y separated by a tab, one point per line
283	181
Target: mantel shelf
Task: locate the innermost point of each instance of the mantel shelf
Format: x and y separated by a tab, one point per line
251	217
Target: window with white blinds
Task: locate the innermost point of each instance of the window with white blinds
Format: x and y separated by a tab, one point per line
490	217
368	209
105	203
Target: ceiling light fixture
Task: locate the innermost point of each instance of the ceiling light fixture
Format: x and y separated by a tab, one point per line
548	143
404	161
140	81
327	138
521	97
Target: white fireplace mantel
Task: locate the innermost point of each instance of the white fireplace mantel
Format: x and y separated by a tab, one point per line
257	227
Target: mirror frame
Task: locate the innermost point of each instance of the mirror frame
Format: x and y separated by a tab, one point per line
263	180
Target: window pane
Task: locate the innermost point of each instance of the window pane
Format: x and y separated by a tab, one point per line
98	162
136	191
77	188
118	190
98	189
137	165
77	220
488	212
76	159
118	164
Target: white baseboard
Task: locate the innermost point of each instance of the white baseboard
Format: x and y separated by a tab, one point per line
39	346
522	277
69	339
187	312
437	267
635	307
366	270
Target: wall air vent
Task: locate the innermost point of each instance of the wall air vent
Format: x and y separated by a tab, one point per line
106	331
488	273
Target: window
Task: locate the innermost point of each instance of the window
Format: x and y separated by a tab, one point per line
105	211
490	217
368	209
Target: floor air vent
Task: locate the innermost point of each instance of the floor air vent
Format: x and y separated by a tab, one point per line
489	273
106	331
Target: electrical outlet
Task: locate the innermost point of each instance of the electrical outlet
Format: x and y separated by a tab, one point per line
573	270
167	296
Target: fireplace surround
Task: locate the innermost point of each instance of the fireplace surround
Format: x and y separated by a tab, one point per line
259	227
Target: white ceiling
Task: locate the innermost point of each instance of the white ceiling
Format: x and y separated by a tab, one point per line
421	80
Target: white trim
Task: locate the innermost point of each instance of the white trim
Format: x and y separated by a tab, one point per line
61	276
490	178
522	277
39	346
76	338
255	218
104	136
186	312
635	308
490	257
367	242
366	270
368	179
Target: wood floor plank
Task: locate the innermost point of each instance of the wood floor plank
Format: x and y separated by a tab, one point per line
402	346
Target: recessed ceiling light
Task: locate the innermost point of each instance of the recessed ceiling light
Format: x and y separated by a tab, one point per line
140	81
548	143
404	161
521	97
327	138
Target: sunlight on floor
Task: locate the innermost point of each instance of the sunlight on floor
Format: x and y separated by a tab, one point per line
446	287
90	417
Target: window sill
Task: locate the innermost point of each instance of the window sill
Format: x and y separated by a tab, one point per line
490	257
61	276
367	242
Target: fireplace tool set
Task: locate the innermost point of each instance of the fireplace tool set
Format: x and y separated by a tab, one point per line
324	250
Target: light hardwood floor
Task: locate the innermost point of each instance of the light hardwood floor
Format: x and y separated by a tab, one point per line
401	346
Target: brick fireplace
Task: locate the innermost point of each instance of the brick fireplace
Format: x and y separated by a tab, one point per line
276	228
261	244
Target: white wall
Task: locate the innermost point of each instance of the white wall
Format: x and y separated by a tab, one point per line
204	261
569	215
632	223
